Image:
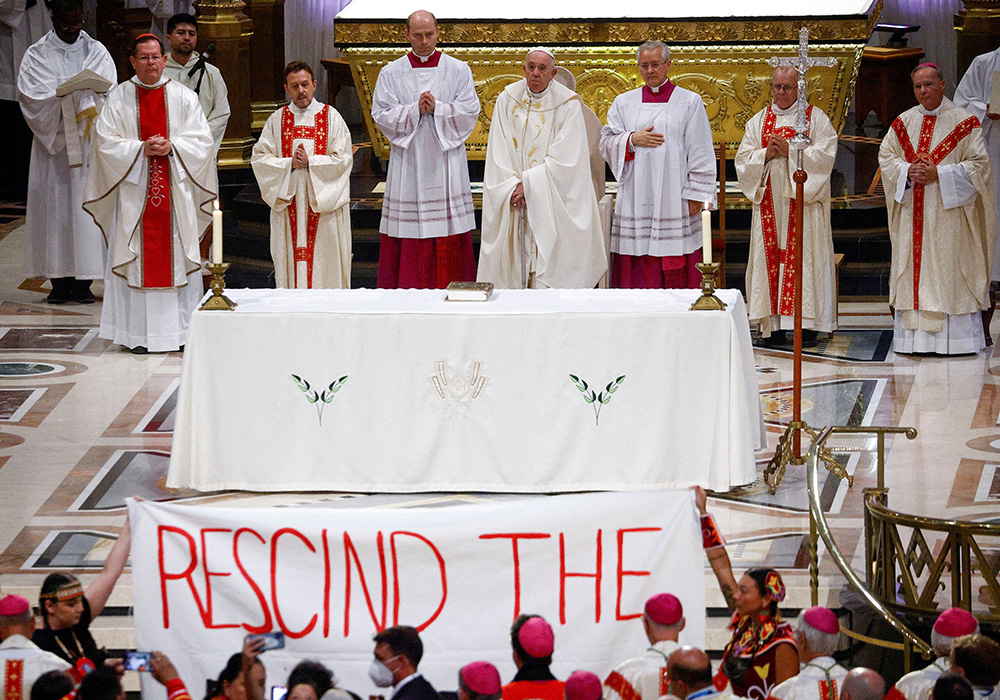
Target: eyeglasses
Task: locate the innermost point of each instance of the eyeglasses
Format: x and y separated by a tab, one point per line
783	88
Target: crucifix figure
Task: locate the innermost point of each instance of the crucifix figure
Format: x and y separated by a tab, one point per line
789	446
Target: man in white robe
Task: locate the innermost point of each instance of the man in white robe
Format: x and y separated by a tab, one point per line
150	188
817	633
426	106
303	165
939	194
659	144
207	82
973	95
21	661
22	23
541	227
63	243
949	626
645	677
765	165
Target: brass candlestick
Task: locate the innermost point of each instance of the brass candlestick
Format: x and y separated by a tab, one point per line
708	301
218	300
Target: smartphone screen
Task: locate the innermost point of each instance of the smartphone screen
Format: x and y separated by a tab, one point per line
137	660
272	640
278	692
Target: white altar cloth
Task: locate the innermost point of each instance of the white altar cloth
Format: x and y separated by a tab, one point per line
408	393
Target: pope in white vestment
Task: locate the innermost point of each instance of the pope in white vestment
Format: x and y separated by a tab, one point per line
765	165
939	194
539	205
973	95
659	144
150	188
303	165
212	94
426	105
63	241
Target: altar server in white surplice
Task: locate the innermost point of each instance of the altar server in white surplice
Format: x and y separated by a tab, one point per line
64	244
939	193
426	106
659	144
303	165
765	165
538	195
150	188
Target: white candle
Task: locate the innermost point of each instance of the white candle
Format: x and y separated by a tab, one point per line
706	235
216	235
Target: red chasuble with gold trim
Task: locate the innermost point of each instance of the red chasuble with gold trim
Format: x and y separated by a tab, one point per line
318	133
13	688
155	225
946	146
774	256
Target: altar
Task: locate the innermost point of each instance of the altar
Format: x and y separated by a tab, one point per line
719	49
401	391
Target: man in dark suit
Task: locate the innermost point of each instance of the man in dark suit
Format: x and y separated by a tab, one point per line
397	652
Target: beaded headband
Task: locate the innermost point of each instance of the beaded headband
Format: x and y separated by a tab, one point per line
67	592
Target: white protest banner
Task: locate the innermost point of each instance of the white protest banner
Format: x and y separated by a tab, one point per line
329	578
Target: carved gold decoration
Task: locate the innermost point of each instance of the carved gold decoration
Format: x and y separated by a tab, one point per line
733	80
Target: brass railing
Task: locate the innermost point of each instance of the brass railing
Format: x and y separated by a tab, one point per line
818	527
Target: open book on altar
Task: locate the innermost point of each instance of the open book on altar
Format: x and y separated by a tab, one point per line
84	80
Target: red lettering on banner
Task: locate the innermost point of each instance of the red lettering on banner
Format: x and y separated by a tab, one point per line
563	575
515	537
622	572
266	625
395	578
349	551
186	574
274	583
326	584
208	577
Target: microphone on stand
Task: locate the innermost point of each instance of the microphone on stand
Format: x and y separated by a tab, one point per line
200	63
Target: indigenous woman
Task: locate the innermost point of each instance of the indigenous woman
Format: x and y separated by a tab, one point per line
762	651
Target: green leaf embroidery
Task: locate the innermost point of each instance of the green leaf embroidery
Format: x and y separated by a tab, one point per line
319	399
597	399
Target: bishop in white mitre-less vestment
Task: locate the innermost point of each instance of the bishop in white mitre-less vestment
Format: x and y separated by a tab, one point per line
539	141
943	232
973	95
63	240
310	217
652	223
819	679
770	278
152	209
427	212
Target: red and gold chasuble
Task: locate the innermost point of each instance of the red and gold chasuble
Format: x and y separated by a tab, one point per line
154	229
774	256
946	146
13	679
618	683
318	134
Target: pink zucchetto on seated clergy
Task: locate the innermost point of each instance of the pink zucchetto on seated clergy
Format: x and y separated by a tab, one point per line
12	604
481	677
537	638
664	609
949	626
583	685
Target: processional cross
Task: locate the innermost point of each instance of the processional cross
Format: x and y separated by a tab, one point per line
789	448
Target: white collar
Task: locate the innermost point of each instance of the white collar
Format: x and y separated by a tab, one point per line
301	111
932	112
17	641
160	82
423	59
782	112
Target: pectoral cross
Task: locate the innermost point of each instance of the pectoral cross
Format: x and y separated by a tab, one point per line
801	65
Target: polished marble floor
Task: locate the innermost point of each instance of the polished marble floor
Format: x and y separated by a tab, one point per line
85	424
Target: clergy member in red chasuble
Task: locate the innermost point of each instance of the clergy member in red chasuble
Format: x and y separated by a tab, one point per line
150	188
303	163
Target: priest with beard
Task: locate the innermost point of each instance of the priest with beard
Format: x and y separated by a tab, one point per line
942	224
63	244
150	189
765	165
541	226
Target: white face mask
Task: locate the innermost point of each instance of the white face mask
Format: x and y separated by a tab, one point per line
380	674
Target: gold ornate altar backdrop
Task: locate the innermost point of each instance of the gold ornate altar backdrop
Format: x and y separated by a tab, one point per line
723	61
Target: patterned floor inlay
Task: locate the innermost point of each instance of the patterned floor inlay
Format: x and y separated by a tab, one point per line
151	411
861	345
71	550
789	550
75	340
792	494
835	402
28	406
11	309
